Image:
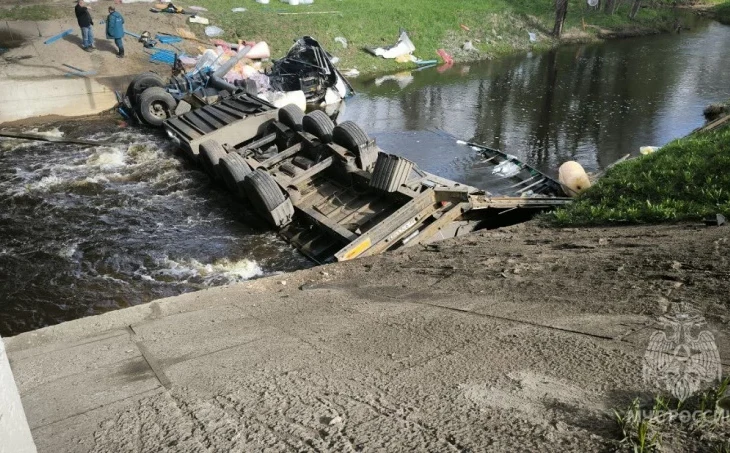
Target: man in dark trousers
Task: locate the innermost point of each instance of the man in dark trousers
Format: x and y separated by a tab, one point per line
115	29
85	22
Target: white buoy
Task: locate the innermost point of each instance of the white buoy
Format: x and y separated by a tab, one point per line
573	178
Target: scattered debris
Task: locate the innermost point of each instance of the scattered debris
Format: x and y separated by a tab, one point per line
199	20
197	8
448	59
238	10
506	169
168	39
351	73
183	33
55	38
307	75
342	41
648	149
464	27
213	31
404	46
533	36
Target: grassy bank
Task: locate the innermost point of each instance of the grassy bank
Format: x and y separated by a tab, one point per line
722	13
31	12
495	27
687	179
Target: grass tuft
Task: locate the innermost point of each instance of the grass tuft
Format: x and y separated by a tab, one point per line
700	421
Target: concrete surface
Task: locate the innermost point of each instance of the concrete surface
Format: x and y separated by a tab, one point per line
34	81
14	430
517	339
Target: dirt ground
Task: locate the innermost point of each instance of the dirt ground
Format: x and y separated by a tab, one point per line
518	339
28	53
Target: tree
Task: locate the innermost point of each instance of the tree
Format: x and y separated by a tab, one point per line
609	6
561	11
635	9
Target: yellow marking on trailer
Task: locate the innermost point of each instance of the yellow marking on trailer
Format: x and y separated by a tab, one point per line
354	253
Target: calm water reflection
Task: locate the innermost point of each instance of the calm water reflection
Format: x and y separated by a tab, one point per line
590	103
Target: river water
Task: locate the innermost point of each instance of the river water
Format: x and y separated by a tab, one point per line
88	230
589	103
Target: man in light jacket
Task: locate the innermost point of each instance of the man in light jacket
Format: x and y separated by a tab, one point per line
115	29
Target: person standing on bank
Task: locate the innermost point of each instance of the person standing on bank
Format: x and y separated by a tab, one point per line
115	29
84	18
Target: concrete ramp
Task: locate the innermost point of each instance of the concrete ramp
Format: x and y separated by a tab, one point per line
68	96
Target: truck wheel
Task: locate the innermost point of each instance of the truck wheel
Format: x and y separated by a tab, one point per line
351	136
291	116
211	152
267	198
318	124
390	172
156	105
140	83
233	170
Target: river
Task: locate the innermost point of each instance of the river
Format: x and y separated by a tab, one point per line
88	230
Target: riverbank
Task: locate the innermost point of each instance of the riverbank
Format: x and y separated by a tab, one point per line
519	338
721	13
30	69
494	27
685	180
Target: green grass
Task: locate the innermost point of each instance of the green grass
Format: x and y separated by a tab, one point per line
646	428
687	179
32	12
495	27
722	12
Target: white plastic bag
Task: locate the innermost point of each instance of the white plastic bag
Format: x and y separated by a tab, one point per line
213	31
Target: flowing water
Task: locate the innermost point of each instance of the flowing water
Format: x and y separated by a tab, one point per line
85	230
88	230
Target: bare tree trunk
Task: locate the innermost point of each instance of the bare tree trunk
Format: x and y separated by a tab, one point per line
561	11
609	6
635	9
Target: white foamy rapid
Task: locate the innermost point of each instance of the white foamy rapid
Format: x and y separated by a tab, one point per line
222	271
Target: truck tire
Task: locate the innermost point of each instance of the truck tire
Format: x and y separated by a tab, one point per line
233	169
140	83
291	116
211	152
318	124
155	106
390	172
351	136
268	199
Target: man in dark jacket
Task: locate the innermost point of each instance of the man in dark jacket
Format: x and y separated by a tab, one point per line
115	30
85	22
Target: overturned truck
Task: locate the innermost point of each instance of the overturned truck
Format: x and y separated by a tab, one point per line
330	191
